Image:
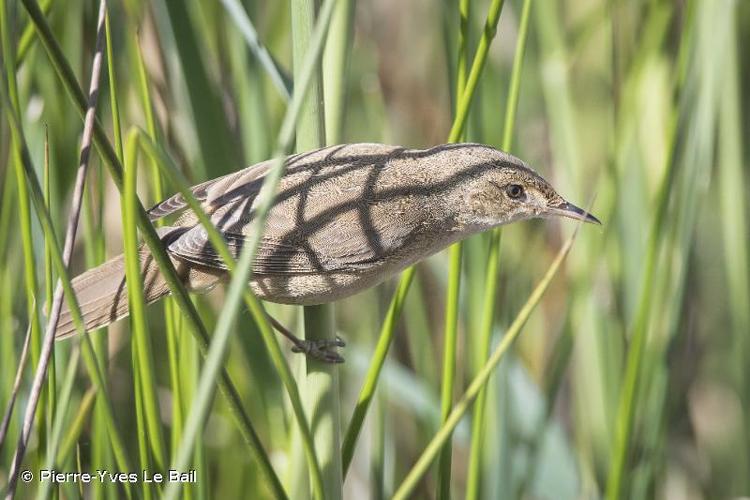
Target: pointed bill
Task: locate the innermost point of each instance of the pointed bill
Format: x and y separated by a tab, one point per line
572	212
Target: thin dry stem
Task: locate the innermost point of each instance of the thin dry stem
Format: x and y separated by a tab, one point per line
70	235
16	386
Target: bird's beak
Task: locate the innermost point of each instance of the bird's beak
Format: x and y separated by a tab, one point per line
571	211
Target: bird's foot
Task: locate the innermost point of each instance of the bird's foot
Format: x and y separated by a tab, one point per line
321	349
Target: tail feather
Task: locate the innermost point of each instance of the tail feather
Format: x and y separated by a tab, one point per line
103	296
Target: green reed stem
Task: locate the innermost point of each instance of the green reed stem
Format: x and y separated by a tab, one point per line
321	381
148	110
478	436
464	102
27	37
450	338
452	297
143	356
238	16
170	311
218	153
24	209
395	307
732	184
74	429
376	366
113	101
64	446
51	394
336	69
140	422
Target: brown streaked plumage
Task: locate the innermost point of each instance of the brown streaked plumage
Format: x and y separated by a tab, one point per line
345	218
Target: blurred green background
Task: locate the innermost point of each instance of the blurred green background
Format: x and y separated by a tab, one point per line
642	104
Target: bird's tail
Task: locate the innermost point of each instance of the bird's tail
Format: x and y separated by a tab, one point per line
103	295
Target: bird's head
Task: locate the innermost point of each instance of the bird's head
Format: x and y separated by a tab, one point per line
508	191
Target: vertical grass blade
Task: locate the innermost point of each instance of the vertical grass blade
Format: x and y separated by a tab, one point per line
27	37
395	307
51	395
66	389
143	357
478	436
321	380
480	58
370	383
336	70
144	93
732	184
450	338
15	388
219	154
24	209
144	456
238	15
452	294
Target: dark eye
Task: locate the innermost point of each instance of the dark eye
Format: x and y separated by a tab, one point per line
514	191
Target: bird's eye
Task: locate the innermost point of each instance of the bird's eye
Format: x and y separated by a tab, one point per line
514	191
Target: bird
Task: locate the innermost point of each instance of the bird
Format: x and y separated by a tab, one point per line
344	218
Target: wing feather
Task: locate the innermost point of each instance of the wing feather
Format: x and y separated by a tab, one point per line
272	257
347	226
212	192
277	257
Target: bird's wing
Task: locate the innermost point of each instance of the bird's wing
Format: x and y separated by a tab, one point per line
355	238
335	247
240	185
207	193
272	257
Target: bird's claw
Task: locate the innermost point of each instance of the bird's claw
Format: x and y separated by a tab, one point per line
321	349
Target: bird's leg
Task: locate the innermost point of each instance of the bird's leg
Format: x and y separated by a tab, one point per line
321	349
